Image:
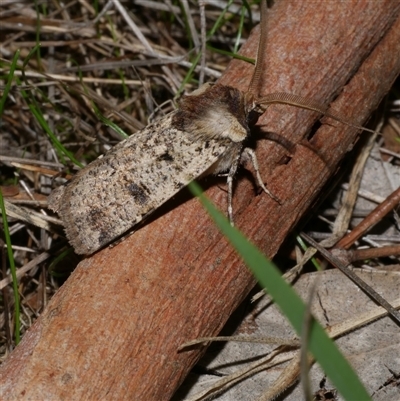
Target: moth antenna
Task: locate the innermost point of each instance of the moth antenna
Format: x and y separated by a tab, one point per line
303	103
256	78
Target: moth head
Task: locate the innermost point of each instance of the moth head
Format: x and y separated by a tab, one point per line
253	108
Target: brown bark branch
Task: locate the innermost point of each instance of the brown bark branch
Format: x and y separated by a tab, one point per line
113	329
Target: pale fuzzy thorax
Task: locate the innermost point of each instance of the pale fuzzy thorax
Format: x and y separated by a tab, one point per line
217	112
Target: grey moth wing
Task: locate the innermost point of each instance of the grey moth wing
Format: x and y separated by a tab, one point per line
115	192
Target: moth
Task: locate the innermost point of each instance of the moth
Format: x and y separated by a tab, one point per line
205	135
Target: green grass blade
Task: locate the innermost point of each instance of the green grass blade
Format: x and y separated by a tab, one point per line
108	122
13	270
220	21
321	346
304	247
232	55
43	123
8	85
35	109
240	30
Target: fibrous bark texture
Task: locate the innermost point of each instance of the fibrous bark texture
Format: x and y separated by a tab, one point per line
113	329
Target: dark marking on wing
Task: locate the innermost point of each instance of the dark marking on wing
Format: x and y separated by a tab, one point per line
104	237
138	193
166	157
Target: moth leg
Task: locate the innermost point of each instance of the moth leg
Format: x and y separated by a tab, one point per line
250	152
229	181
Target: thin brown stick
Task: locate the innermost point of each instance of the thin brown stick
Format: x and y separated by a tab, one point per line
373	218
371	253
353	277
